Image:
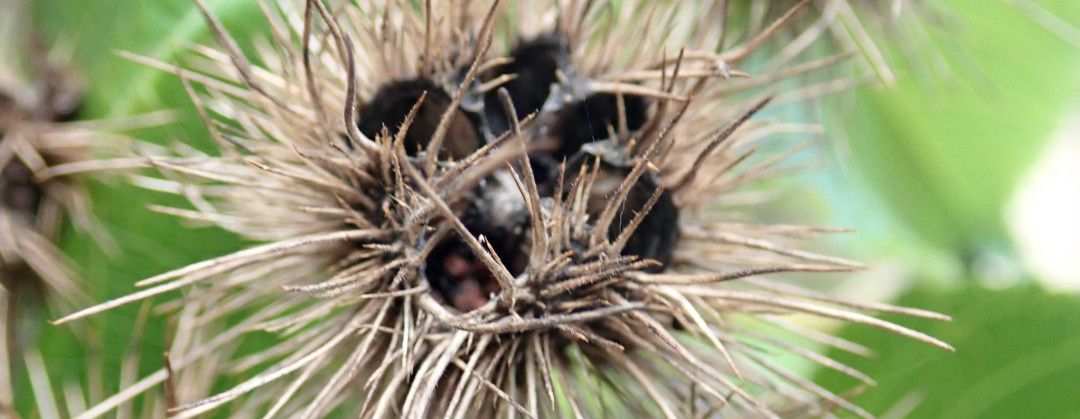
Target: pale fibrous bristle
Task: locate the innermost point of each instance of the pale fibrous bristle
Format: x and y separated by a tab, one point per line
889	35
40	99
475	209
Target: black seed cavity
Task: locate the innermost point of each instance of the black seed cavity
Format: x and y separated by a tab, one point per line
535	63
657	235
545	170
589	120
391	105
18	191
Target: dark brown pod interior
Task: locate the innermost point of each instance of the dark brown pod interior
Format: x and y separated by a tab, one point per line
391	105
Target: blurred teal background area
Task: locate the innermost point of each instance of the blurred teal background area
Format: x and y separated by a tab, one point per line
962	179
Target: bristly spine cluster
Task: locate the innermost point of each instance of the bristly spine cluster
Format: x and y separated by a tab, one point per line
487	209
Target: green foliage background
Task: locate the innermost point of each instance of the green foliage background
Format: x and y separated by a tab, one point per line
927	171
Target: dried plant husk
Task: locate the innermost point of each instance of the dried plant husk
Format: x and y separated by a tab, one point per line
446	232
40	135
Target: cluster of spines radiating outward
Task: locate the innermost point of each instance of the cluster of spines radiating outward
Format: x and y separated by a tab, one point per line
40	102
458	224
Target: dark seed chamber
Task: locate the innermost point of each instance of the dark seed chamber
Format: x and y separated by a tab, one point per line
391	105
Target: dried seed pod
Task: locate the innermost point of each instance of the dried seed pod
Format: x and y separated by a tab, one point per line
422	274
41	150
32	139
33	204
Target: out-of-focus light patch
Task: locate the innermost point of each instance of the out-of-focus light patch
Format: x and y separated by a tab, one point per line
1044	214
996	271
886	281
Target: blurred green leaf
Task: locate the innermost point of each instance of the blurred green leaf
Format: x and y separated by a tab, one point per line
945	154
1017	355
98	30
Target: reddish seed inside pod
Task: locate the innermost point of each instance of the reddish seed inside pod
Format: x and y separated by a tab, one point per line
461	281
459	278
455	273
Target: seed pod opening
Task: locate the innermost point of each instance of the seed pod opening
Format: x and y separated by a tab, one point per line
533	68
594	119
391	105
657	234
455	273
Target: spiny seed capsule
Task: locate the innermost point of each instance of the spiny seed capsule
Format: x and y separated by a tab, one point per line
473	284
56	98
457	276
